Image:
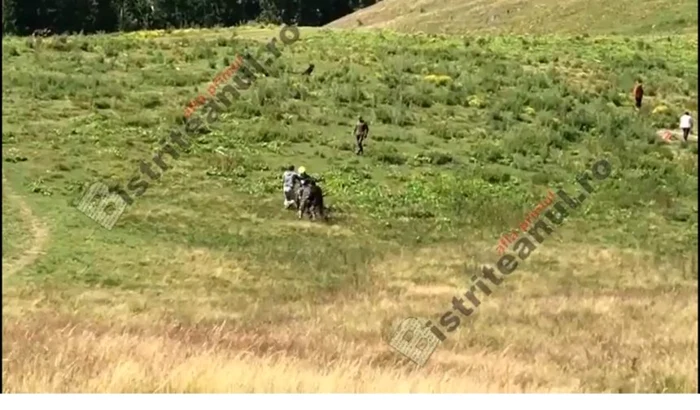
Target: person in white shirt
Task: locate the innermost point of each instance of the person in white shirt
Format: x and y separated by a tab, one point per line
686	125
289	178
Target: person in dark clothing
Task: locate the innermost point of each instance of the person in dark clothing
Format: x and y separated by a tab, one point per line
304	181
638	94
360	132
317	206
311	201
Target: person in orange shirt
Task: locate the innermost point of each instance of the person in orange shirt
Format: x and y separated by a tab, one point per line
638	94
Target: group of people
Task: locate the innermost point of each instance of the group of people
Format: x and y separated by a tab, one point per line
686	121
302	192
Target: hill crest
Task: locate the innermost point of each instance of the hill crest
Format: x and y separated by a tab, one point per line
528	16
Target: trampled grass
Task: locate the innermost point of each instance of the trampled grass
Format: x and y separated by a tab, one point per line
207	285
14	238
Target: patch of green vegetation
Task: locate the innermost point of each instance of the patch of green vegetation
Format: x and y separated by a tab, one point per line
459	159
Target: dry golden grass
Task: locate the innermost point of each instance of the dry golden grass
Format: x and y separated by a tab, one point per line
71	359
526	17
636	330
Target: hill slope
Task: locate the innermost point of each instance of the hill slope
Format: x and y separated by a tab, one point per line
206	284
528	16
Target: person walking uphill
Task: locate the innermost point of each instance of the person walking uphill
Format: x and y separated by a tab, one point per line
361	131
686	125
638	94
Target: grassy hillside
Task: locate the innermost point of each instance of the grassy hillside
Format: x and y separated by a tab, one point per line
207	284
631	17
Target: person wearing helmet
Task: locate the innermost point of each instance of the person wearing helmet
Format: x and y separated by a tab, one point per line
289	179
304	179
302	172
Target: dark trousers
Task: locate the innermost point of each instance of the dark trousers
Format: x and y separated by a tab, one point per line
360	149
686	132
638	102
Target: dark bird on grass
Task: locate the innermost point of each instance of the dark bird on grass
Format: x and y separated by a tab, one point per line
309	70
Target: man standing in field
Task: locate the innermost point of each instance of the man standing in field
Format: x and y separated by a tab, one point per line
638	94
360	132
686	125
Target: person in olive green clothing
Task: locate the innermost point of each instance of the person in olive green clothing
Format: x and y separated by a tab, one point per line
361	130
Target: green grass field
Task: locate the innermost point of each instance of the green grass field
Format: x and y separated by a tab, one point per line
206	284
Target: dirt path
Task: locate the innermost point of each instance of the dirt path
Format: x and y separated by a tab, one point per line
40	235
